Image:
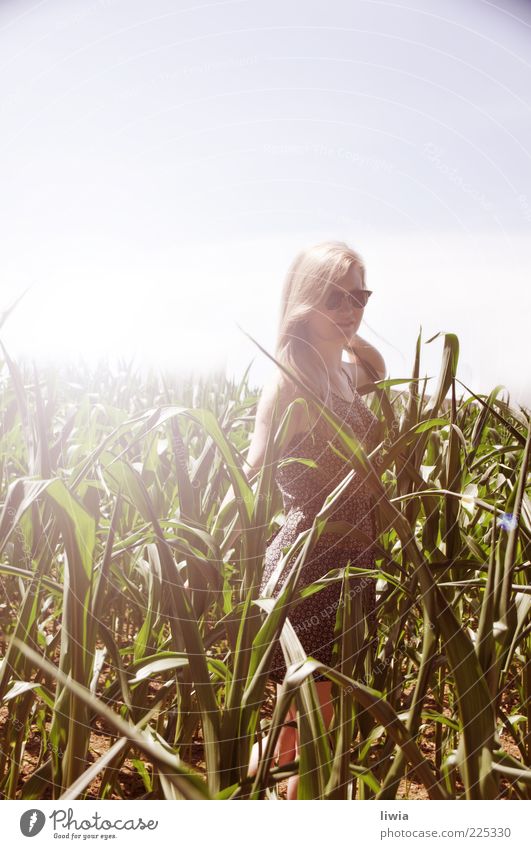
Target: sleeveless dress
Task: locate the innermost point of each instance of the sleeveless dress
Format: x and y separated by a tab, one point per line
304	489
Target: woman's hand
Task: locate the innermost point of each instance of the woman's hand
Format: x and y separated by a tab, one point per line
361	352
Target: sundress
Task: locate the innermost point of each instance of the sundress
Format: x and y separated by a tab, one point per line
304	490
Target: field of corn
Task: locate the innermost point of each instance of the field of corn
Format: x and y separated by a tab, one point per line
135	651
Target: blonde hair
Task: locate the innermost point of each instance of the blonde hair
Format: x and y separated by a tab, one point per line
312	270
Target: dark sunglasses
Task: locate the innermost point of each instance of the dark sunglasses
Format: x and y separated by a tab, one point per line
339	298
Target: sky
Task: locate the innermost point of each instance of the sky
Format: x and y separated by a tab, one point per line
163	162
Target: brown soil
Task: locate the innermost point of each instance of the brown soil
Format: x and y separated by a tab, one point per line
129	783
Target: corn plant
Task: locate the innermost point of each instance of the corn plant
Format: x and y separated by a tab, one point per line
131	550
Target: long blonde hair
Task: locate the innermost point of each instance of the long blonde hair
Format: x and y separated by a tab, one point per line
312	270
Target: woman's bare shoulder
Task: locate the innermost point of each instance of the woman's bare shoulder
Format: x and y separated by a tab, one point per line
278	391
282	391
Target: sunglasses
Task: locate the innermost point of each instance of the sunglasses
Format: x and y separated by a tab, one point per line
339	298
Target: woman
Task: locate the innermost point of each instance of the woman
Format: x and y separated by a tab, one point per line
322	306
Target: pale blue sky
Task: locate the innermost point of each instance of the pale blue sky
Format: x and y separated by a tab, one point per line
162	162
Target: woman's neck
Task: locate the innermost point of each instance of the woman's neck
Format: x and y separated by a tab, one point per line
330	356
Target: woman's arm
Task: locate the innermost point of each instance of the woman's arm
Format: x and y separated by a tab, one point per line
277	391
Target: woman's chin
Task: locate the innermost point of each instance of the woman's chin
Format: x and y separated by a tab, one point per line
346	332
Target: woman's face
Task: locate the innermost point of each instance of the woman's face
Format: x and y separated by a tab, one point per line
340	324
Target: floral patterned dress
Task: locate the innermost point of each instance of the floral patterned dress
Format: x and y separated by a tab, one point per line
304	489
